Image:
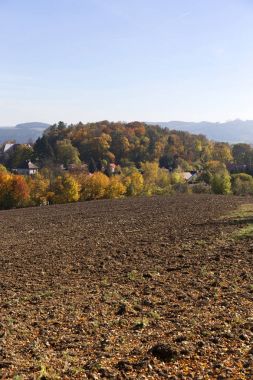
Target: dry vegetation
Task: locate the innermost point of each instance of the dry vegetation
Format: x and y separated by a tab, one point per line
141	288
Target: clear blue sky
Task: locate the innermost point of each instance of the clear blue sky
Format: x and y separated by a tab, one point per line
154	60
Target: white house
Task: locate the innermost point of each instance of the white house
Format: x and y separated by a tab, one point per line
28	169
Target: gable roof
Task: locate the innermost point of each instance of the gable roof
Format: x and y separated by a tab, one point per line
7	147
187	175
30	165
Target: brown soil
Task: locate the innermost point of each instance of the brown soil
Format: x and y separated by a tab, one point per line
147	288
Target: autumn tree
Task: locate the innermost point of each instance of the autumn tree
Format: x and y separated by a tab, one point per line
134	182
93	186
3	169
242	184
150	174
177	177
211	168
115	189
14	191
39	189
65	189
156	180
222	152
163	182
242	154
221	183
5	179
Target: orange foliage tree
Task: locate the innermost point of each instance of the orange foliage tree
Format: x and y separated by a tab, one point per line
14	190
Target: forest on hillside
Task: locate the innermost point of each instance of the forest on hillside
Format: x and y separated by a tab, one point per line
112	160
126	145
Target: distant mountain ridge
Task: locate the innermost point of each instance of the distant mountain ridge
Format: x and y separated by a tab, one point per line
22	133
231	131
236	131
33	125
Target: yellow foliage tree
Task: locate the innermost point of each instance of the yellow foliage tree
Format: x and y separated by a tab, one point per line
65	189
39	186
134	183
177	177
222	152
163	182
150	174
93	186
215	166
116	188
156	180
3	169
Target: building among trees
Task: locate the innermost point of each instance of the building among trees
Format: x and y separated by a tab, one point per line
27	169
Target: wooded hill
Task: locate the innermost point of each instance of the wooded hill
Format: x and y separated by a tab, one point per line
113	160
126	145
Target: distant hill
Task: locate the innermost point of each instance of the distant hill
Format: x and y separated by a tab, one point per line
232	131
22	133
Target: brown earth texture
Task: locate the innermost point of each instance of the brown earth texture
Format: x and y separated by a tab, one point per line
141	288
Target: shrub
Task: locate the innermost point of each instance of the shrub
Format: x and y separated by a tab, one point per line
242	184
201	188
221	183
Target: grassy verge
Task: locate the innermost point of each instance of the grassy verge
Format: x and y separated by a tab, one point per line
244	216
244	232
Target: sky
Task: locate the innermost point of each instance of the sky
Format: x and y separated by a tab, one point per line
125	60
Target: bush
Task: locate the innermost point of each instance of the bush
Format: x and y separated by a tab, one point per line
182	188
221	183
201	188
242	184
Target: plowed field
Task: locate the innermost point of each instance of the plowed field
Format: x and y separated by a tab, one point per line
145	288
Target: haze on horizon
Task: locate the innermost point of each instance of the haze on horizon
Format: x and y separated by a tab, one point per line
127	60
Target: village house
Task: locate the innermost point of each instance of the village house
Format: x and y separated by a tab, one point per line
8	148
77	168
190	176
112	168
27	169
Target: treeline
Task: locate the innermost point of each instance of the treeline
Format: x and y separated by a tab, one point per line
52	187
99	144
113	160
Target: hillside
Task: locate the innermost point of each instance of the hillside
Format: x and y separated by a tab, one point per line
22	133
129	289
235	131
